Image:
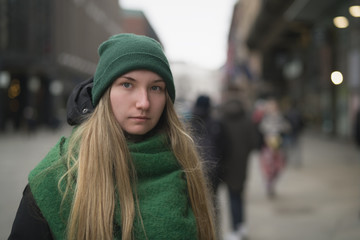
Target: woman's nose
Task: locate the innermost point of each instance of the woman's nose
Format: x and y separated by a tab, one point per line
143	100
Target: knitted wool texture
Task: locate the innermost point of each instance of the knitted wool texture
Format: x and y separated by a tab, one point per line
161	189
126	52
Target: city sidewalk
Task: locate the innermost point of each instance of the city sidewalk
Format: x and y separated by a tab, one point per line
318	201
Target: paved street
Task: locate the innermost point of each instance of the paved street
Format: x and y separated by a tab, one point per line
320	200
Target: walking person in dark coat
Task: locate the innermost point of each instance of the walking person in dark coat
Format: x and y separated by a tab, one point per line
241	140
208	136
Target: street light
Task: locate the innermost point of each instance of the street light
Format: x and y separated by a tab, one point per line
341	22
355	10
337	77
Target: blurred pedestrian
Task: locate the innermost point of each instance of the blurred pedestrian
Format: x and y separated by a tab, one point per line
292	137
241	140
129	170
272	157
256	117
357	131
357	128
208	136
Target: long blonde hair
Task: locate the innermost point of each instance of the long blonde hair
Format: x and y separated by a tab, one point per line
99	159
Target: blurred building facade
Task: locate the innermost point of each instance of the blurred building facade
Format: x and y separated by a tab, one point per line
294	50
242	67
191	81
135	21
48	46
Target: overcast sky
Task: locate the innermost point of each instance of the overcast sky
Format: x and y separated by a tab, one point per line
193	31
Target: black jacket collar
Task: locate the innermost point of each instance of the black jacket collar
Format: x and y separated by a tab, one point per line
79	103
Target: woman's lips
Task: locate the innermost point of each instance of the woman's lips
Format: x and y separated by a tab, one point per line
140	118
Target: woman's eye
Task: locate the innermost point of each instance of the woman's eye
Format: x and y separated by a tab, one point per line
156	88
126	85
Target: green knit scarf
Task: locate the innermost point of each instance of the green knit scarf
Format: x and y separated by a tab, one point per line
161	189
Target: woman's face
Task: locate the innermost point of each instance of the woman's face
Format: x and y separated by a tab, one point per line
138	100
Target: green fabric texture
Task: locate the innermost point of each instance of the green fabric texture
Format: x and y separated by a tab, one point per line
125	52
161	188
43	181
162	193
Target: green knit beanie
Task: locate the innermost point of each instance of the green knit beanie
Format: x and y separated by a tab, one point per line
126	52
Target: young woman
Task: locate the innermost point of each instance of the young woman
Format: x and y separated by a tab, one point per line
129	170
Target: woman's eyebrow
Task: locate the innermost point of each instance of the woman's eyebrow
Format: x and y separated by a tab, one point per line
159	80
133	79
129	78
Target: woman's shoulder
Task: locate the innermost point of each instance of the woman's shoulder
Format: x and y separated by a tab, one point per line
51	159
29	222
47	189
